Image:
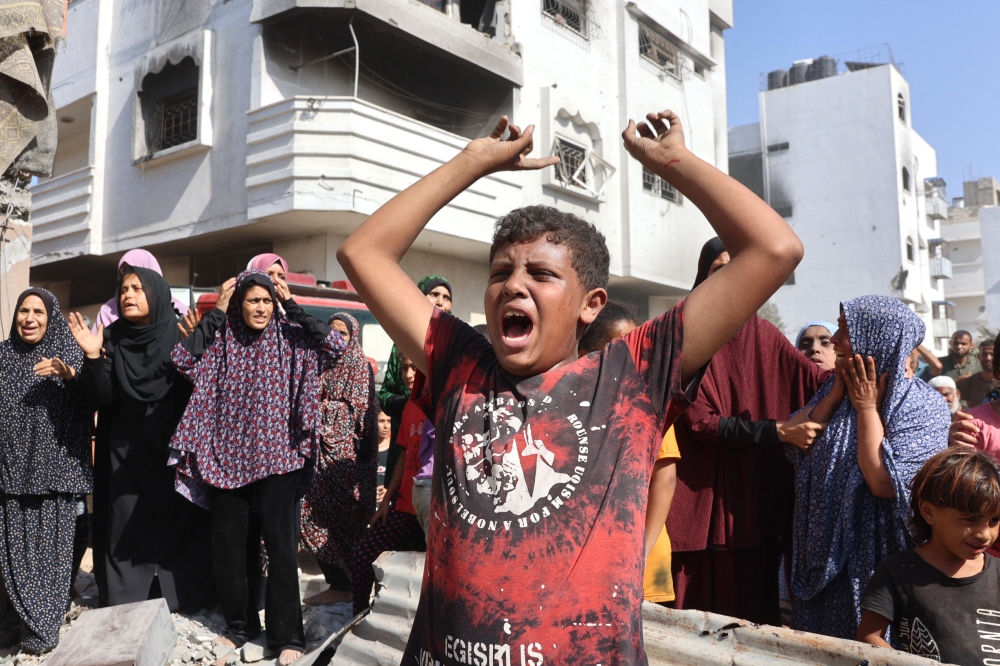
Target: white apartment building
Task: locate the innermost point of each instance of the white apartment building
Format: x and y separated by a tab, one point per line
836	154
965	235
210	131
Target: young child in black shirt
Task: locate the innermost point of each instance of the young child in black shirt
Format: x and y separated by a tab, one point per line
942	598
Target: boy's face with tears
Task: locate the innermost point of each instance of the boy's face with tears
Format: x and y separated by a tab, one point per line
536	306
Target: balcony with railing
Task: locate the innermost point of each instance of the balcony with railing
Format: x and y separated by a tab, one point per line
937	208
60	215
940	268
322	164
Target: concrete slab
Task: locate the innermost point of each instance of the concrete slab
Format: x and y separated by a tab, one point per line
140	634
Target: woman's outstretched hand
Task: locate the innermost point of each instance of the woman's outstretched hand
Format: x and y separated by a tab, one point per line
864	387
90	343
189	321
656	145
494	153
54	367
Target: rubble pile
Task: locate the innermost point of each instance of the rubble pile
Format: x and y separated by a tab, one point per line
195	632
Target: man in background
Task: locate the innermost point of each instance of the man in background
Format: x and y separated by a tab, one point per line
977	386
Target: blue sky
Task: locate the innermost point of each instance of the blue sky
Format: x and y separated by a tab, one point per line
950	54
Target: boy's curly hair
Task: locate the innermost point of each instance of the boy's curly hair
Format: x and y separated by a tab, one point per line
587	245
959	477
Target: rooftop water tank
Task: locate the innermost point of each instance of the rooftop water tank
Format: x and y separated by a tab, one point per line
797	74
777	79
823	67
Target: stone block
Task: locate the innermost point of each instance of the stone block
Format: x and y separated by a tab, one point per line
140	634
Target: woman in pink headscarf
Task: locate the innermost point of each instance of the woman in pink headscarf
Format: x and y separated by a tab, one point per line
135	259
272	264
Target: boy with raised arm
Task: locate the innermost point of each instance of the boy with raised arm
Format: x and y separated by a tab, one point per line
543	460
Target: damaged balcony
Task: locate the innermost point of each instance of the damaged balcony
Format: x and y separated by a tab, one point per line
323	164
441	40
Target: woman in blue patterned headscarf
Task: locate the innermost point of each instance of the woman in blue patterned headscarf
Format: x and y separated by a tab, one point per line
851	501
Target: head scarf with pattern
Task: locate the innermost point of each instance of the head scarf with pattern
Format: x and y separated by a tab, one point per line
44	430
838	521
349	408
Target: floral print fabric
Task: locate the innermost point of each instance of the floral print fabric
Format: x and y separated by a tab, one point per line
255	407
337	508
841	530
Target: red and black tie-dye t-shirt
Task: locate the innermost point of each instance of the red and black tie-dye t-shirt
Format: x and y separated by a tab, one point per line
536	530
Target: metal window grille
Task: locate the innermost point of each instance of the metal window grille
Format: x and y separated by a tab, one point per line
177	120
657	50
659	187
572	167
569	13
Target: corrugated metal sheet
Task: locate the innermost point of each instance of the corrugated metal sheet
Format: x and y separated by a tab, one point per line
677	638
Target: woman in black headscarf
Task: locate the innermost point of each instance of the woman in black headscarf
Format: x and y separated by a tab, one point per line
154	537
44	464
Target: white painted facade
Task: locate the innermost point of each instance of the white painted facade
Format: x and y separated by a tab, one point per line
974	244
287	156
829	156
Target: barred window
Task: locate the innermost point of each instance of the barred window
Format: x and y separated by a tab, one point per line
569	13
659	187
572	169
657	50
176	120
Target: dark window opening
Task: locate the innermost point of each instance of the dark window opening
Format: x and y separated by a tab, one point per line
901	107
909	249
906	179
657	50
169	100
569	13
699	70
477	13
773	148
212	270
655	185
572	158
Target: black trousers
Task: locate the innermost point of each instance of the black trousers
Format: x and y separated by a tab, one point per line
236	561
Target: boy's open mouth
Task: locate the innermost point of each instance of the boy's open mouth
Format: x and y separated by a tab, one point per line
516	327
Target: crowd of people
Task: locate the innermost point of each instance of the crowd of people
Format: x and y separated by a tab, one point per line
559	465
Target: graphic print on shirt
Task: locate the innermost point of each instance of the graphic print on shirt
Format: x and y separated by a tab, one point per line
514	471
916	638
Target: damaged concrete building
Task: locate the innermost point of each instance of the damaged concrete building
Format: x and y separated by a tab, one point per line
210	131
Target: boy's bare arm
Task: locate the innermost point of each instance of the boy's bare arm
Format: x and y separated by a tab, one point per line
872	629
371	255
763	249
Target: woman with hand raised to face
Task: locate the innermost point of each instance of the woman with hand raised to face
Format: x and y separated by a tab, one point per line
44	464
852	487
150	534
249	439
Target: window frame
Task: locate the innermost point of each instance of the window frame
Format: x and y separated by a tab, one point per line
652	41
197	46
558	17
660	188
905	173
901	107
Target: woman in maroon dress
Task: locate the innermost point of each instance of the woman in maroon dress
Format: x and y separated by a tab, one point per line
731	516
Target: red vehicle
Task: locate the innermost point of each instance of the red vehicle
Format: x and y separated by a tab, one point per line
323	302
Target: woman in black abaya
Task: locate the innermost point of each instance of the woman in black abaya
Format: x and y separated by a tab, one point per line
156	542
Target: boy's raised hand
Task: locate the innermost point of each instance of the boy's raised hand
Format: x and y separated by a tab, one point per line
656	150
494	153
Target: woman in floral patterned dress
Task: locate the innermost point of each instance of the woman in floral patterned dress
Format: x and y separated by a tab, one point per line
249	439
337	508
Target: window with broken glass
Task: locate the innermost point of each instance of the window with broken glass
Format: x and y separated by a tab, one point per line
659	187
569	13
580	168
656	49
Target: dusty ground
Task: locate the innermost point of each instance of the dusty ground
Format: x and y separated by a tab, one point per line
196	632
